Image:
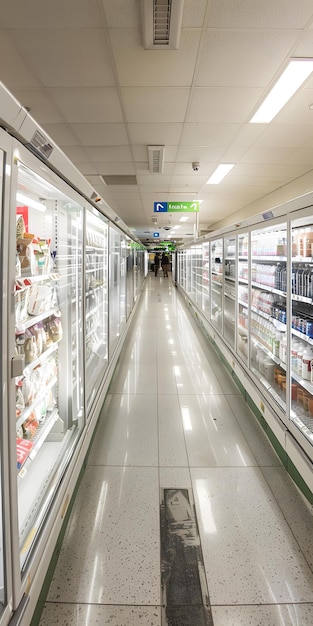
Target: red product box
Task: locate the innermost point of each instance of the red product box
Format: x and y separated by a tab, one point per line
23	448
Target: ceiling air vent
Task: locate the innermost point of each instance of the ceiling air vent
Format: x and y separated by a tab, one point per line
156	159
119	179
161	23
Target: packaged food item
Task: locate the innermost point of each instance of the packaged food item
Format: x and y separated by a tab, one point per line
39	299
25	249
28	390
20	403
55	329
30	426
23	448
42	255
20	226
30	347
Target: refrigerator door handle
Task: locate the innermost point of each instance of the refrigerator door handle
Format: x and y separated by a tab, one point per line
17	365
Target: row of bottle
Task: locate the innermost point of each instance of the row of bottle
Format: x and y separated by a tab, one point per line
268	244
276	342
275	276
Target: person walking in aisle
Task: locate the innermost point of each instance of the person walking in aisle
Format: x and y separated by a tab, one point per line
156	264
165	264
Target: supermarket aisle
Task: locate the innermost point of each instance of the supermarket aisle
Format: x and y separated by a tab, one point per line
174	427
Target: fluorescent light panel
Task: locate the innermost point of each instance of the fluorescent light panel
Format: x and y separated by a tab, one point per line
221	171
296	72
30	202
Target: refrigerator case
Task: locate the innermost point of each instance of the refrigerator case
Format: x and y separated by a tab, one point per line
268	321
301	342
48	362
243	302
217	284
6	590
229	309
96	303
261	297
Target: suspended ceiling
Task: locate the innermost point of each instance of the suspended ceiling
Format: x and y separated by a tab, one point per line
80	67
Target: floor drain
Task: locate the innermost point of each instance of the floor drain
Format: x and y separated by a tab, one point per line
185	597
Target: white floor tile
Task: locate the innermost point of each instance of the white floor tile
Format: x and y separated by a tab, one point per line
139	379
99	615
253	432
279	615
250	553
172	447
111	552
128	434
295	507
213	437
175	478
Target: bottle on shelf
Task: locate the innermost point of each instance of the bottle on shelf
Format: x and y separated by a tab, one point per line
306	363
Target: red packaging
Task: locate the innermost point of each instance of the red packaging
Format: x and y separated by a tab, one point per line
23	448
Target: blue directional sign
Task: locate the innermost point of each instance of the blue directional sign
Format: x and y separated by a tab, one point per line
177	207
156	235
160	207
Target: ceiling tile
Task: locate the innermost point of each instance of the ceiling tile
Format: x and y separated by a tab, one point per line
42	108
61	134
205	134
193	13
224	59
155	134
81	105
155	104
139	67
80	58
121	13
56	14
259	14
111	168
285	135
222	104
75	153
13	70
115	154
100	134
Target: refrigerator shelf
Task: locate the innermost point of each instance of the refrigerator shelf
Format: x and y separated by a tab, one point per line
31	321
41	396
43	431
39	360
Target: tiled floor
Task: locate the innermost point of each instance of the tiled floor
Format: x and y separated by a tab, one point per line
175	419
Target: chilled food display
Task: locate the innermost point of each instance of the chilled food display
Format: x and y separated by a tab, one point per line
38	329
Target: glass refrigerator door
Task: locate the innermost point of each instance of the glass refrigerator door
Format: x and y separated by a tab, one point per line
217	283
96	302
5	526
269	310
230	289
206	279
243	297
117	311
302	327
49	416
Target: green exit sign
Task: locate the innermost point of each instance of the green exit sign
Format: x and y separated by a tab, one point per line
183	207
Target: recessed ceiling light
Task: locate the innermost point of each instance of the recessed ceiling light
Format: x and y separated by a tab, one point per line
296	72
221	171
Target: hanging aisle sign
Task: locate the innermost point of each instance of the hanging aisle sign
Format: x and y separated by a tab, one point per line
177	207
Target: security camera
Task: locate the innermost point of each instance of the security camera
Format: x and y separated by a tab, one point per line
195	166
167	228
